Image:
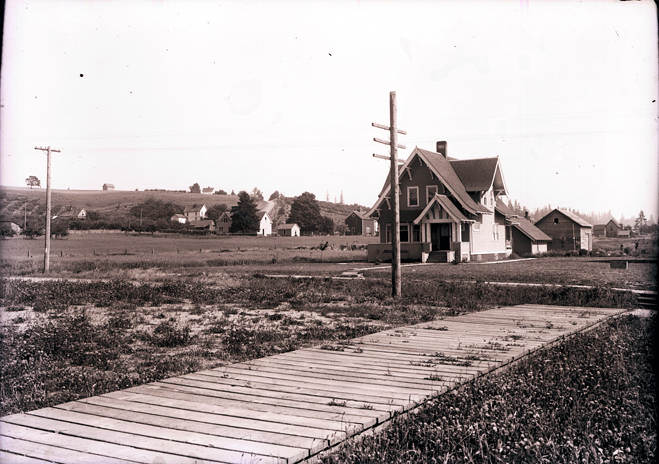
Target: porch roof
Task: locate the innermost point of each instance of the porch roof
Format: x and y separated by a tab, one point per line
448	206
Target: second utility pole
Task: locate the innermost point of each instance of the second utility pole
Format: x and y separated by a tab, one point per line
395	192
46	255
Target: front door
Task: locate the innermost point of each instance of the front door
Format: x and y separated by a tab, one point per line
440	236
445	236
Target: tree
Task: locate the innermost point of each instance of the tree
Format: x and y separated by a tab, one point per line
257	194
233	192
194	188
33	181
640	222
155	209
275	195
326	225
244	218
305	212
215	211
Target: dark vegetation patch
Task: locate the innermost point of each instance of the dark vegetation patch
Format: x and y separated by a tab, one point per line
589	399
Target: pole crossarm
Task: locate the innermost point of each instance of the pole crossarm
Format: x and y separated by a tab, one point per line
387	128
388	158
384	142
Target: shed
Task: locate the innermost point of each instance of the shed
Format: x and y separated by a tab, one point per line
180	218
568	231
288	230
358	223
527	239
108	187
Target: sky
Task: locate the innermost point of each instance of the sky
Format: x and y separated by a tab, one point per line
281	95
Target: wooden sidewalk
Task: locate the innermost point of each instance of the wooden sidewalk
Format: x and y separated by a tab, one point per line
288	407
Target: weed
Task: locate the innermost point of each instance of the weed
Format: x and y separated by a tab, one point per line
334	402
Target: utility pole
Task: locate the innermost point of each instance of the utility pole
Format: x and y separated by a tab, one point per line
46	255
394	190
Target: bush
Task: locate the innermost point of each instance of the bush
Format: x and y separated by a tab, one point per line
168	334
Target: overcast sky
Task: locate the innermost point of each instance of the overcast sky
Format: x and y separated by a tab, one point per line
281	95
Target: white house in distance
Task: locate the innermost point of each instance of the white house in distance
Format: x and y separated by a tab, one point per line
195	212
288	230
265	224
82	214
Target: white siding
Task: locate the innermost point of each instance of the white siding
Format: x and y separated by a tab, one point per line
490	238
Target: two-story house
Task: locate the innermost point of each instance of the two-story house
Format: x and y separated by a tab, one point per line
447	209
195	213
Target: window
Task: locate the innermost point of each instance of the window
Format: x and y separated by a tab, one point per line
404	233
387	234
416	233
465	231
431	191
555	220
412	196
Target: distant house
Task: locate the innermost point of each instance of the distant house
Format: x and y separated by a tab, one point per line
613	229
208	190
599	230
180	218
203	224
288	230
265	224
195	212
357	223
624	233
82	214
223	223
567	230
108	187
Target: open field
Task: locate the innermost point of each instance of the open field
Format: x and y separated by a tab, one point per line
589	399
105	251
647	245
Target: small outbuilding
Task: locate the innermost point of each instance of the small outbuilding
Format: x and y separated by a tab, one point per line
527	239
107	187
180	218
265	224
613	229
288	230
568	231
203	224
599	230
358	223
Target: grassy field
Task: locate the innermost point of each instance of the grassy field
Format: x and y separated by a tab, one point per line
574	270
563	405
106	251
63	340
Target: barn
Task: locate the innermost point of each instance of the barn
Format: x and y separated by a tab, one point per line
567	230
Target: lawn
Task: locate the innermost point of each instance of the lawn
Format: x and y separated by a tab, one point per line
564	270
590	399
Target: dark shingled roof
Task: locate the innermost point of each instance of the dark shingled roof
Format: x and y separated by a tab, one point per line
570	215
445	169
527	228
504	209
286	226
476	174
448	206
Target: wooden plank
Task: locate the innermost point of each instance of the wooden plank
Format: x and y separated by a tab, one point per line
178	451
100	449
278	418
294	441
173	434
10	458
52	453
258	402
340	416
180	410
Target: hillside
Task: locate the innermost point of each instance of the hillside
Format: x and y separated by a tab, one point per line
116	204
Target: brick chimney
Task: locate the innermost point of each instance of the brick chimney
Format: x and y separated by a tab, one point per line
441	148
526	214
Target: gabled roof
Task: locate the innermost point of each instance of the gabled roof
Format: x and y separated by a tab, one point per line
446	204
193	208
178	216
527	228
286	226
614	223
504	209
359	214
441	167
262	214
203	223
477	175
570	215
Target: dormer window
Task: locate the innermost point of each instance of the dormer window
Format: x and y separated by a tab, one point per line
555	220
412	196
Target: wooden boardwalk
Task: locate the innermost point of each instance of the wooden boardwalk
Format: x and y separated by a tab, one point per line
288	407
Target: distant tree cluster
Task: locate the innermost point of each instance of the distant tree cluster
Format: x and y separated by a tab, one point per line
306	213
244	216
33	181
